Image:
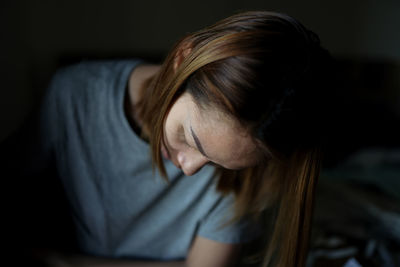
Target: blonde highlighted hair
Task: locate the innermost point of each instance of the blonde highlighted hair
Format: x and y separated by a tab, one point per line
266	71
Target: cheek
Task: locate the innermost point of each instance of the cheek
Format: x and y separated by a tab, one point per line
167	134
170	136
173	129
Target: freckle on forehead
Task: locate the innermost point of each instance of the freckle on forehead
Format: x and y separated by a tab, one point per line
224	141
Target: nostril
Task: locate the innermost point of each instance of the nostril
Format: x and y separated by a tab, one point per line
192	170
190	163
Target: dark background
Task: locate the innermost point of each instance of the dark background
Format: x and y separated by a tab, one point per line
39	36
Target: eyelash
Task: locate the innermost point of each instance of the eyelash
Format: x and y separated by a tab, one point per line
182	137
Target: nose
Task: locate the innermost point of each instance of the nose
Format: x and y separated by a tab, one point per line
191	162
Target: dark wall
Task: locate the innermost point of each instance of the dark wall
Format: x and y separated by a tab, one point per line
38	36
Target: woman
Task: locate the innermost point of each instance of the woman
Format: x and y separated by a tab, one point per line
243	97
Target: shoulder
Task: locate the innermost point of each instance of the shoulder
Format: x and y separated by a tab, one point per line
86	72
88	78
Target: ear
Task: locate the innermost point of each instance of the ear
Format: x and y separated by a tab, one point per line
182	52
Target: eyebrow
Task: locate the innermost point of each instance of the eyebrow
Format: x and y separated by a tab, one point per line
197	141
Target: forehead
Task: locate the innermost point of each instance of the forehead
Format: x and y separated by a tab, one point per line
222	138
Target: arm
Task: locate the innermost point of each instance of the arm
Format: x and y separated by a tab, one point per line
204	252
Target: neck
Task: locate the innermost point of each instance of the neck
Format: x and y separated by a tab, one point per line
136	86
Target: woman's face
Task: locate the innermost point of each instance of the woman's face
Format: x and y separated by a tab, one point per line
194	137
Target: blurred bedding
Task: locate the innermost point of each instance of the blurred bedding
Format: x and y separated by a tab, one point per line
357	212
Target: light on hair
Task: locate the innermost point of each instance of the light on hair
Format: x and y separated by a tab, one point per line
243	66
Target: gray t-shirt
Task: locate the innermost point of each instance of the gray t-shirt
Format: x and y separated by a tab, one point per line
120	208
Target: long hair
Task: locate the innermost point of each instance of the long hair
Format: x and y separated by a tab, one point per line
265	70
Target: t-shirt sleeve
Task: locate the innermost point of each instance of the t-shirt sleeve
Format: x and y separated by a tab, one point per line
219	226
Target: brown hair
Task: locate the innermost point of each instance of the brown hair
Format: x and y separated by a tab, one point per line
265	70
